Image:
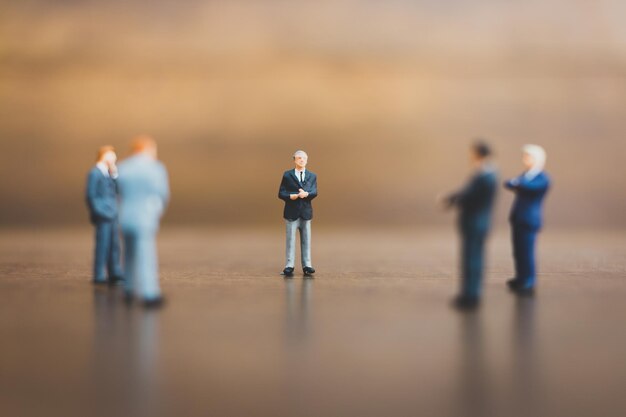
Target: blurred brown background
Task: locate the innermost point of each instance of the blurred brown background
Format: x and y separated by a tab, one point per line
384	95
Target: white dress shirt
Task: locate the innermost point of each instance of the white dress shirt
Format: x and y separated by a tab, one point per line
298	174
105	170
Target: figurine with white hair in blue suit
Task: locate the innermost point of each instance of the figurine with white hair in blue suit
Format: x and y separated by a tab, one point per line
530	189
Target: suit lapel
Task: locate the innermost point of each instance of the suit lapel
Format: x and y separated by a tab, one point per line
293	175
101	173
307	178
106	180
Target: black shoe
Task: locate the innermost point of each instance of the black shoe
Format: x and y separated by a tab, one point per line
465	303
308	270
288	272
513	284
116	280
129	299
157	302
525	291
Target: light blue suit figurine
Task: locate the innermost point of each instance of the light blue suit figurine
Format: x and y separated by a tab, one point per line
144	193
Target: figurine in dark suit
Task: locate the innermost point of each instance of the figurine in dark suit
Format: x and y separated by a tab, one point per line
474	203
298	188
530	189
101	196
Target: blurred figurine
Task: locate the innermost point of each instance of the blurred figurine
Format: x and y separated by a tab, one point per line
474	202
530	188
144	192
101	197
297	188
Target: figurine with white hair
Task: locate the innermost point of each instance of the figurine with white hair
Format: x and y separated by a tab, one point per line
298	188
530	189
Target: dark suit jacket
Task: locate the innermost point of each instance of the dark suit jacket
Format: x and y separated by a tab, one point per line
101	196
529	195
300	208
475	201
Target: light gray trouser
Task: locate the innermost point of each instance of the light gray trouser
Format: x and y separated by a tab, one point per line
141	265
305	242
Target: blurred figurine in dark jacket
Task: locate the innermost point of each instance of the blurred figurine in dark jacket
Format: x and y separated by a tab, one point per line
298	188
101	196
474	202
530	188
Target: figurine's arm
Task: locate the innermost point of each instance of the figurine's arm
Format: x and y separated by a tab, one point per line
521	184
283	194
93	199
113	172
476	191
511	184
451	200
313	190
460	197
165	186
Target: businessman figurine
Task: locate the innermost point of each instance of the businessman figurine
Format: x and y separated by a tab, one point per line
144	192
530	189
297	189
101	196
474	202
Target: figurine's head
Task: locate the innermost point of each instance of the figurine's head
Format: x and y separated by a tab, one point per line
300	158
144	144
107	155
479	152
533	157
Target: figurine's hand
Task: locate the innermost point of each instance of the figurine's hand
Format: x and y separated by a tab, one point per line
303	194
294	196
442	201
113	170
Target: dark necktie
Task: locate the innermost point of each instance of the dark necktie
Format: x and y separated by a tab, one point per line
301	177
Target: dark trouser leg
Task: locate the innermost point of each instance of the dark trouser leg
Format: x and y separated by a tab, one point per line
115	268
130	262
472	253
465	262
527	239
102	249
517	244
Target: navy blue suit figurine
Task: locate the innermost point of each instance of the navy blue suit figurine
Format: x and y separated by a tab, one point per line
101	196
530	189
298	188
474	203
